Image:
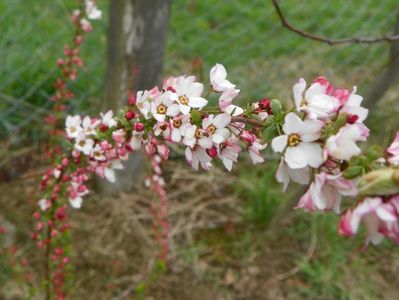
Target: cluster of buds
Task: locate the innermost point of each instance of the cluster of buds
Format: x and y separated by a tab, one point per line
72	61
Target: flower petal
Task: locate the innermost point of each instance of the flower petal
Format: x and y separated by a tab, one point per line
279	143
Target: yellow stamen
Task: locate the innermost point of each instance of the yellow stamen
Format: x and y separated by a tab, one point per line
294	139
183	100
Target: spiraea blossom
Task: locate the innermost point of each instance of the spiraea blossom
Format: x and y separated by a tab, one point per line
298	143
316	100
317	142
378	216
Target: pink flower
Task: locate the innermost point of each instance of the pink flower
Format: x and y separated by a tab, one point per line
118	136
315	100
393	150
380	219
226	100
254	151
352	107
229	153
198	156
325	193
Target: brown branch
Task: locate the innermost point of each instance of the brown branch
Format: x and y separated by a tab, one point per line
323	39
248	120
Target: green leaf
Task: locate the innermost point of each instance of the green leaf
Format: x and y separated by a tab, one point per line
195	116
276	106
353	172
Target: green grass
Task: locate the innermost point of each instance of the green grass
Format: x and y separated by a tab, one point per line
264	58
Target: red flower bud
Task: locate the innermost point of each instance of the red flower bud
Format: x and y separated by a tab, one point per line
103	127
264	104
171	89
213	152
351	119
130	115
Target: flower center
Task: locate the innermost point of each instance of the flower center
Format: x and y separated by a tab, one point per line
82	143
73	129
176	123
198	134
161	109
304	102
183	100
294	139
211	129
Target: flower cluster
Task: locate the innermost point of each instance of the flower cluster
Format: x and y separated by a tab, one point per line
317	140
319	137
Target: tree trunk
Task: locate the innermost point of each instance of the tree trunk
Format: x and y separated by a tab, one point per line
388	77
136	39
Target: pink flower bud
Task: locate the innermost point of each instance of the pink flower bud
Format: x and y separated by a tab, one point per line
139	126
132	100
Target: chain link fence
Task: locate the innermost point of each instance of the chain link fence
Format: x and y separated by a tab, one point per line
262	57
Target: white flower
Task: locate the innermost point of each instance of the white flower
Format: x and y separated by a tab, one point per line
162	106
107	119
143	103
89	126
44	204
98	153
284	174
214	130
72	126
189	133
314	101
84	144
298	142
343	144
92	11
109	171
178	125
218	79
188	95
76	202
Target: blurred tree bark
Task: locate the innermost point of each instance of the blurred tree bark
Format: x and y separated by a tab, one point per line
136	39
388	77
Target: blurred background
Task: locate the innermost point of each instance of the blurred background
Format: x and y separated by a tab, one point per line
240	239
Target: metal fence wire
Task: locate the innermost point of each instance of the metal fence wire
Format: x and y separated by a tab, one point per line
262	57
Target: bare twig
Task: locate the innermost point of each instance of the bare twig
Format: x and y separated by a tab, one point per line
330	41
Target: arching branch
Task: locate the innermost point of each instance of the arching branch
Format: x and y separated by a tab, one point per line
330	41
